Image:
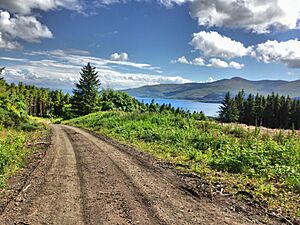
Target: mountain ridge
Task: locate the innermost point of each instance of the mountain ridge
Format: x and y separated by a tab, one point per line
215	91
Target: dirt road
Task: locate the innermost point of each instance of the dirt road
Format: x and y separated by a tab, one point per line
84	179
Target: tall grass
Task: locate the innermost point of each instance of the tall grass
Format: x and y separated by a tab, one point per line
13	150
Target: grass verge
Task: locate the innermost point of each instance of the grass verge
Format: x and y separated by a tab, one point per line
15	147
265	167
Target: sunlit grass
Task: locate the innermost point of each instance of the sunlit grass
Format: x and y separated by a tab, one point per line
266	166
13	150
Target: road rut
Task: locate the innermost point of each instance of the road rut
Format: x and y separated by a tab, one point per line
87	180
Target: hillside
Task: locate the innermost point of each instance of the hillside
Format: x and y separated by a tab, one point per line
215	91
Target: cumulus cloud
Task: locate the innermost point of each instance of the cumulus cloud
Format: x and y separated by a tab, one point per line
213	62
17	23
259	16
27	28
170	3
198	61
24	27
218	63
212	44
236	65
256	15
286	52
181	60
6	44
119	56
26	6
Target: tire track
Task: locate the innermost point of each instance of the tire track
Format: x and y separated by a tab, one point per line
57	199
142	187
84	179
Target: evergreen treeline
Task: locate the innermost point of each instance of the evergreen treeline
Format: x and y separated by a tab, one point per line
19	101
272	111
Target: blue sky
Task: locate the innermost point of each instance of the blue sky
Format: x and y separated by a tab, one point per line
134	43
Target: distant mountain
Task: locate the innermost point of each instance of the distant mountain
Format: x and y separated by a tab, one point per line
215	91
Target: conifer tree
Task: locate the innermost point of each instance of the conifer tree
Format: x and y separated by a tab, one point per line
86	93
239	100
228	110
259	109
249	116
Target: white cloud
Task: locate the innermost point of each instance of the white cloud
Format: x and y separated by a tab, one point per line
256	15
60	52
80	57
62	71
24	26
26	6
286	52
259	16
213	62
212	44
6	44
198	61
13	59
170	3
218	63
209	80
236	65
119	56
181	60
27	28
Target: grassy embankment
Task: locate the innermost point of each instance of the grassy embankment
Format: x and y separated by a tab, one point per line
265	166
14	148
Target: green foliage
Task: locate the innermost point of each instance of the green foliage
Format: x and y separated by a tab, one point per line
272	163
19	102
13	152
226	148
113	100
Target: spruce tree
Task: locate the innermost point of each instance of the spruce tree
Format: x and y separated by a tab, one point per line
239	100
249	116
259	109
86	93
228	110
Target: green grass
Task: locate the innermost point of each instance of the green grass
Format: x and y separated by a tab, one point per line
13	150
266	166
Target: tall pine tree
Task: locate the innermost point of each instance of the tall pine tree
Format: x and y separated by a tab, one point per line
86	93
228	110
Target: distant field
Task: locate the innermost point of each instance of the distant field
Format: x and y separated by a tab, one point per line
265	165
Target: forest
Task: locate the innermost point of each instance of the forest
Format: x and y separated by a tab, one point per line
272	111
